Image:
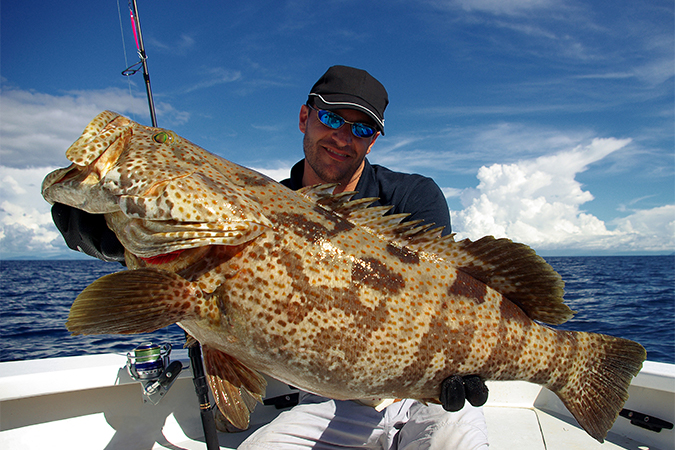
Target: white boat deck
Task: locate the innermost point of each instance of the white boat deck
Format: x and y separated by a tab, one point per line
90	402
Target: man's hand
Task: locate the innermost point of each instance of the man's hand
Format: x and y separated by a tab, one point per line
455	390
87	233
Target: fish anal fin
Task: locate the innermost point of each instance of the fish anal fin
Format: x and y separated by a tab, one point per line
133	301
597	392
236	389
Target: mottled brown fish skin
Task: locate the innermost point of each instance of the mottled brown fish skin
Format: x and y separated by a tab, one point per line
400	327
319	292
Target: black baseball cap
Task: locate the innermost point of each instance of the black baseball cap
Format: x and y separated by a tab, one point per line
343	87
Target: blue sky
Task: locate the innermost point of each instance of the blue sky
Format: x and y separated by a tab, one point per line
548	122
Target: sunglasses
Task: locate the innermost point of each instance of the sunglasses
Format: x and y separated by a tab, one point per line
335	121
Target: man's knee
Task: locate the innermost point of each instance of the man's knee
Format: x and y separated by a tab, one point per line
431	427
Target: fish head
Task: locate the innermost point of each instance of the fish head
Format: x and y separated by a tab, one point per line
92	156
160	193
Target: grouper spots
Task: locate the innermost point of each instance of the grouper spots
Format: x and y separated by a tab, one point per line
371	272
468	287
134	206
303	227
311	230
504	358
403	255
253	180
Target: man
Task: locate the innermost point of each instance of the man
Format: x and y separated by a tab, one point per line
342	119
338	156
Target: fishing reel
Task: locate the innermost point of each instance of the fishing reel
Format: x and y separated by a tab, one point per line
150	364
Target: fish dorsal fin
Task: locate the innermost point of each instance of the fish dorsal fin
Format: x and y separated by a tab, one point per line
318	192
340	203
515	271
236	388
512	269
389	227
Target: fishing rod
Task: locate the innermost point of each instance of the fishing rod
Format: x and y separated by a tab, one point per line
202	391
136	26
194	349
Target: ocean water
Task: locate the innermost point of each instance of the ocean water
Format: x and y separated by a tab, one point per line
630	297
36	297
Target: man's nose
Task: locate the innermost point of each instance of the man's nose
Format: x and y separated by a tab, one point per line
344	134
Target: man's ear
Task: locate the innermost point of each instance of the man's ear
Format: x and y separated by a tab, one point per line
304	115
370	146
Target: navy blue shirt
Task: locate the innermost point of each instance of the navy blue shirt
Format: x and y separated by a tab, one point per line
413	194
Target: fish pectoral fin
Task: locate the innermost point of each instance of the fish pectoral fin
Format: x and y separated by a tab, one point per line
134	301
236	388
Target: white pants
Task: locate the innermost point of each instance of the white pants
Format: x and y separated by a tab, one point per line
320	423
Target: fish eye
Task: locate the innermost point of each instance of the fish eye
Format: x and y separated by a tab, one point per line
162	137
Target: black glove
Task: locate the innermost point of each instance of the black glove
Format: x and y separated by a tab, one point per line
87	233
455	390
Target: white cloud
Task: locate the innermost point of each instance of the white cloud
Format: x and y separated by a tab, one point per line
180	46
26	227
533	197
652	229
538	202
215	76
280	173
464	149
452	192
37	128
508	7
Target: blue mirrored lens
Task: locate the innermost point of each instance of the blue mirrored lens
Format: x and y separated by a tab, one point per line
331	119
334	121
362	130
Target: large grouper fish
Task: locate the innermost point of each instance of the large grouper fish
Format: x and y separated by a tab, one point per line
318	290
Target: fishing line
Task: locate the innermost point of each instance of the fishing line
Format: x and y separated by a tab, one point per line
124	47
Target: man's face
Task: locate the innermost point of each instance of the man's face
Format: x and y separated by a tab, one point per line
334	156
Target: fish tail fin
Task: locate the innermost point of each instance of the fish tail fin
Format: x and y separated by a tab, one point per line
596	392
133	301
